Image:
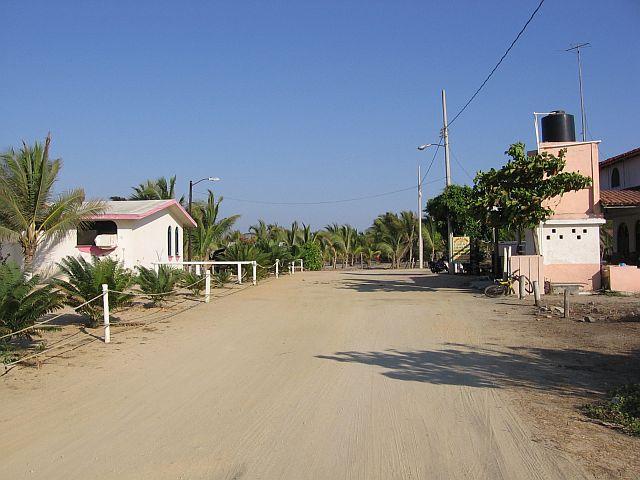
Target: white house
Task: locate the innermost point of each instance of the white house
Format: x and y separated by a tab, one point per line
136	232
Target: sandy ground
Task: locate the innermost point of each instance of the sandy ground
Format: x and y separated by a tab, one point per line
327	375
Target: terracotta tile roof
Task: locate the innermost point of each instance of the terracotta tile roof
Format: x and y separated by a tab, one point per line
617	158
620	198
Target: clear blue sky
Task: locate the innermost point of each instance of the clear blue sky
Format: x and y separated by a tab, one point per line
303	101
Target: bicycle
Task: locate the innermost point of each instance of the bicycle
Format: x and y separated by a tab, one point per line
505	286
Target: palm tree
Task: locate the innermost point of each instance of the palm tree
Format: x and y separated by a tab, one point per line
391	236
210	233
30	213
158	189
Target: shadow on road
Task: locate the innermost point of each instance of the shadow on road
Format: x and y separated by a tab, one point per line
565	372
404	281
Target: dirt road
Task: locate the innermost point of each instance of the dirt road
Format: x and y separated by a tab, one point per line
328	375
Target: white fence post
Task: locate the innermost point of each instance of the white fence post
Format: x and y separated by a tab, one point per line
197	269
239	272
255	267
207	286
277	267
105	308
301	265
291	268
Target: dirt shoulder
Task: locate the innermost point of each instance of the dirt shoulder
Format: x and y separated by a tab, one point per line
571	362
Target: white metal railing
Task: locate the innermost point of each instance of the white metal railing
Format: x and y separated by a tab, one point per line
212	263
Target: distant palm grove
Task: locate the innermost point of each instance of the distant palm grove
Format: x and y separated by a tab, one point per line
33	215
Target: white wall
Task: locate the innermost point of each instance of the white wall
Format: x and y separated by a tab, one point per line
571	243
629	169
140	242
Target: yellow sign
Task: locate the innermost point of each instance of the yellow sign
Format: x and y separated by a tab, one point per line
461	249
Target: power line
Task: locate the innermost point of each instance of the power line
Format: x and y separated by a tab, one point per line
461	165
326	202
497	64
435	154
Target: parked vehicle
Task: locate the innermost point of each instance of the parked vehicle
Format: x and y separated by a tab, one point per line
438	266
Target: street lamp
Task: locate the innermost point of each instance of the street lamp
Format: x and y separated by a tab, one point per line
191	184
420	243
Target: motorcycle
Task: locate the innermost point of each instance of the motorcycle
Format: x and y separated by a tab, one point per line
439	266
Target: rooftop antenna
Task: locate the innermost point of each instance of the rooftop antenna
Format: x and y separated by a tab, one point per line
577	48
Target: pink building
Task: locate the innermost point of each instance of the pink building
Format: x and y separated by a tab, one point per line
569	241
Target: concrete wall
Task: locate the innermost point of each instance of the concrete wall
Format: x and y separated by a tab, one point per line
532	267
629	170
140	242
622	279
581	157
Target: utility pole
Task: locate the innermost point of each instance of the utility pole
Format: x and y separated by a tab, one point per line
420	245
447	166
582	112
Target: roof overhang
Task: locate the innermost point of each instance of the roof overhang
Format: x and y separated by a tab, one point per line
172	204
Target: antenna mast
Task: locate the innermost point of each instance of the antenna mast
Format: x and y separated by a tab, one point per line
582	112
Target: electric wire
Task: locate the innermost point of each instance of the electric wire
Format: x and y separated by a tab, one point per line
497	64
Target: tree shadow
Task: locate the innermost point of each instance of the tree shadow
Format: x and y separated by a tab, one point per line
565	372
404	282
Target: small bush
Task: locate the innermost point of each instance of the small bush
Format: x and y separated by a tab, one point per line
621	408
22	303
195	283
85	281
158	285
221	278
311	254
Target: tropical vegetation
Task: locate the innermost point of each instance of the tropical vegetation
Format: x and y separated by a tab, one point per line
82	281
158	284
24	300
31	214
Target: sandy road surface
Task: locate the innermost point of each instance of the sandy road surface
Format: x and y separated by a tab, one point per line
328	375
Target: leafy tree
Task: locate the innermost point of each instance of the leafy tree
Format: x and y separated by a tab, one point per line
30	213
22	302
160	284
456	202
311	254
518	194
85	281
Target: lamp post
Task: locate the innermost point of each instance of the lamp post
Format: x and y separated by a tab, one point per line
420	243
191	184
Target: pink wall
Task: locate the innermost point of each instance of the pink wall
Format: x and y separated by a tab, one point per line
622	279
531	266
581	157
586	274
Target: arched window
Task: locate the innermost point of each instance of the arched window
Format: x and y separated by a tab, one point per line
177	242
615	178
623	240
169	241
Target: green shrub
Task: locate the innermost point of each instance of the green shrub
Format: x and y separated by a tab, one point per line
311	254
221	278
22	302
240	251
85	281
195	283
621	408
160	284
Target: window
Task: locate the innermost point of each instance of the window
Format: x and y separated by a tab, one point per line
584	230
561	237
615	178
169	241
623	240
86	236
579	237
573	230
553	230
548	237
177	242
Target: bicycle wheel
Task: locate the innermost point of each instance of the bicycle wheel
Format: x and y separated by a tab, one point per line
494	291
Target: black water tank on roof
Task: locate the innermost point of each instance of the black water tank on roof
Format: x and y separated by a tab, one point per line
558	126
